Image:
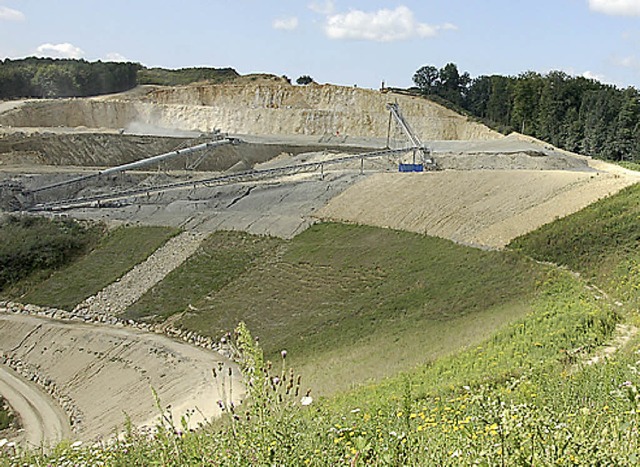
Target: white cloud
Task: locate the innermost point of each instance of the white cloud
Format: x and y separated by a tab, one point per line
616	7
286	24
9	14
381	26
324	8
595	76
115	57
64	50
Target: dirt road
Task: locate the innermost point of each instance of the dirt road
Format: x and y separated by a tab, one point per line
108	372
44	422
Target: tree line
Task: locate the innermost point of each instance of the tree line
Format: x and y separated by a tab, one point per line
571	112
48	77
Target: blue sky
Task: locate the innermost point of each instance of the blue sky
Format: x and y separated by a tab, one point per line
343	41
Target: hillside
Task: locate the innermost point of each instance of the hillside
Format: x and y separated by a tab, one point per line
528	380
261	109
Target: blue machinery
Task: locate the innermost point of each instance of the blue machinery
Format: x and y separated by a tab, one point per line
417	147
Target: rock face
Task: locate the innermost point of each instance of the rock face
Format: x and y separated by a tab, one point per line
265	109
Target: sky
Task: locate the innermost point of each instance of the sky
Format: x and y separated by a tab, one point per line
348	42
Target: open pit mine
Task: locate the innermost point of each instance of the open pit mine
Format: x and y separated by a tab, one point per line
268	159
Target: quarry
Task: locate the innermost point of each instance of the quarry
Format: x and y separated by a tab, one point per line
293	156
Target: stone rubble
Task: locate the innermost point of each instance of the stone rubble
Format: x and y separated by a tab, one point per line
116	297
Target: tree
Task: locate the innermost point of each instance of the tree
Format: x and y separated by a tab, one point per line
304	80
526	97
426	78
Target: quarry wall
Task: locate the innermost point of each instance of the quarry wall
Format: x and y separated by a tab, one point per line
275	109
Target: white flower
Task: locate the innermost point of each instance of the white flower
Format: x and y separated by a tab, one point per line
77	444
306	400
3	441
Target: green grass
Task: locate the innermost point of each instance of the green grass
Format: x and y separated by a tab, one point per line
350	304
220	260
601	242
166	77
118	252
630	165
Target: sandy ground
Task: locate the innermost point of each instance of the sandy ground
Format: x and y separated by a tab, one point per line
44	422
482	208
109	372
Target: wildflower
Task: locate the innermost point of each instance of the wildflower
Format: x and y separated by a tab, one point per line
76	444
284	354
306	400
3	441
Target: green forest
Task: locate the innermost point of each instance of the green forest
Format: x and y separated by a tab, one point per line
570	112
51	78
48	77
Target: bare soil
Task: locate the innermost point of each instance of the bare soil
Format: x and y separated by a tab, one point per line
482	208
108	372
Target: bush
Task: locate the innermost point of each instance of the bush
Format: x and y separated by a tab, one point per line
29	244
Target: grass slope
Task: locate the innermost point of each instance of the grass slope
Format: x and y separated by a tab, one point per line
519	398
348	303
602	242
524	396
221	259
119	251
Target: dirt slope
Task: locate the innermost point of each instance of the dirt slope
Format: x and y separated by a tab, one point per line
484	208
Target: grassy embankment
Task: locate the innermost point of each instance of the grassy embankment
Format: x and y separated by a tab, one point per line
31	248
59	263
348	303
